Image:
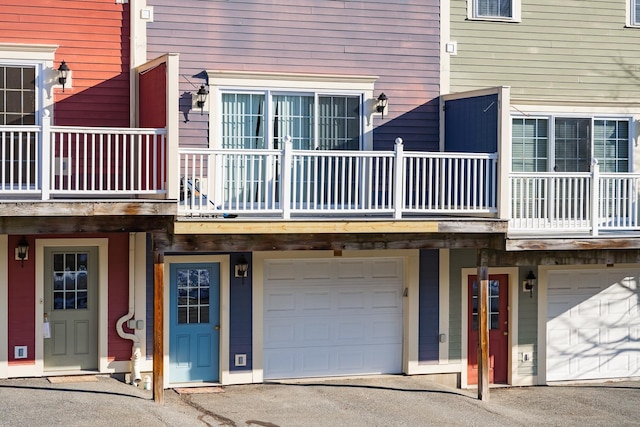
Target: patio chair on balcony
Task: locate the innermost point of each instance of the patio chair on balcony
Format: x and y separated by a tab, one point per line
193	198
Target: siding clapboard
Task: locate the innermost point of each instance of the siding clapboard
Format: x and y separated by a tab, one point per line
396	40
561	51
93	38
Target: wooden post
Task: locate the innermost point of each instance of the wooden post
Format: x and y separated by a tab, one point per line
483	326
158	327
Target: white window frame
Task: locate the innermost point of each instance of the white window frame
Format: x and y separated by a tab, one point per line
516	9
551	119
294	84
632	20
42	58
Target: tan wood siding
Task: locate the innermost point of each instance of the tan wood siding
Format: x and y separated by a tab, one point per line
563	51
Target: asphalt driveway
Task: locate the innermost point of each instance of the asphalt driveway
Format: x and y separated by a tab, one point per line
371	401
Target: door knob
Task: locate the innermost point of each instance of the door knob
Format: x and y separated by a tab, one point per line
217	327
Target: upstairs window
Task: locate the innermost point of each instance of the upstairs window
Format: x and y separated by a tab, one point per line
568	144
633	13
315	121
17	95
494	10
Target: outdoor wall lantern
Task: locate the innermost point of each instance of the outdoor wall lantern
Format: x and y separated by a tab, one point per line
63	74
202	98
242	267
530	282
382	103
22	250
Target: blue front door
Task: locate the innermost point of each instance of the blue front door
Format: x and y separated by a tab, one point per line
194	323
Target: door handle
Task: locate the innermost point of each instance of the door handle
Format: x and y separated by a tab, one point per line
506	333
217	327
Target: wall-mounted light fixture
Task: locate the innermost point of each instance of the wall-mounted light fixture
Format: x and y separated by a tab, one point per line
530	282
201	95
22	250
242	267
63	74
381	105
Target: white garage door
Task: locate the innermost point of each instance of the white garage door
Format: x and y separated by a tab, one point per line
593	324
332	317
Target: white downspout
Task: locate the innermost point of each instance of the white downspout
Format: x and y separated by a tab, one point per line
136	353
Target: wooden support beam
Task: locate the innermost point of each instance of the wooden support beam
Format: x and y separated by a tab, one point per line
158	327
483	326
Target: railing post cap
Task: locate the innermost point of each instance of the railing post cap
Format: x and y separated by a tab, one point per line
287	139
399	141
46	113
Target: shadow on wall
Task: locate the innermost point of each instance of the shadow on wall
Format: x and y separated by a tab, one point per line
418	128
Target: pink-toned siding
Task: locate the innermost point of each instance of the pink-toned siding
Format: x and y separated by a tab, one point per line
397	40
93	38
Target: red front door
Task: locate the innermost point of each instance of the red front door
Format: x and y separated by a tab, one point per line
498	329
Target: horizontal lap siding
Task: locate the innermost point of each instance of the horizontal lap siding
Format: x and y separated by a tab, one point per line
573	50
395	40
93	38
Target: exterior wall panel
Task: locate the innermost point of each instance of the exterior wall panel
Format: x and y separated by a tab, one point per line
560	51
395	40
93	38
428	344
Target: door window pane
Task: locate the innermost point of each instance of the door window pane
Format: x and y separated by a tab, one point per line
70	278
493	309
193	295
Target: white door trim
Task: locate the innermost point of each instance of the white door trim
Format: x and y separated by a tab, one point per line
512	343
224	310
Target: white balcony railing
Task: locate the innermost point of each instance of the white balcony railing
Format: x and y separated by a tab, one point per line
574	202
46	161
287	183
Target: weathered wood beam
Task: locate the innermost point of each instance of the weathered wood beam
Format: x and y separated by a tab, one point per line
483	325
27	224
564	257
80	207
314	241
158	327
546	244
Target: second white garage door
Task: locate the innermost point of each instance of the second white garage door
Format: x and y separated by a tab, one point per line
593	324
331	317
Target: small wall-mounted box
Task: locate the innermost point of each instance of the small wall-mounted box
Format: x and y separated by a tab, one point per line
20	352
241	359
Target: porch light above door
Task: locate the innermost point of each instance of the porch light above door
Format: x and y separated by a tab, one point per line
530	282
22	250
201	95
381	104
63	74
242	267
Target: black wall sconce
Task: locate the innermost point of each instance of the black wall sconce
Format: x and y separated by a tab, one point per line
242	268
63	74
201	96
530	282
381	105
22	250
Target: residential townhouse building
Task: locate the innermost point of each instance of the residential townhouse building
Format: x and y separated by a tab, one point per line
321	230
553	88
80	188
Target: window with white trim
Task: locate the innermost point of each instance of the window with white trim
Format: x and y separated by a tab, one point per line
17	95
500	10
568	144
313	120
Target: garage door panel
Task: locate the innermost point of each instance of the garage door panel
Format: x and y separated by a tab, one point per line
350	324
593	333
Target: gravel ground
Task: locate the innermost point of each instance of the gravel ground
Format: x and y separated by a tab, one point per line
372	401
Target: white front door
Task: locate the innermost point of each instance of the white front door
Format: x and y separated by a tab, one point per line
333	317
593	324
71	308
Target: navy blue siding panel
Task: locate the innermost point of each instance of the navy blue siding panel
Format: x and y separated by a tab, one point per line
240	315
397	40
429	311
471	124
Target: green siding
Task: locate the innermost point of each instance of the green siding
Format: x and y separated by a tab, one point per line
460	258
527	326
569	50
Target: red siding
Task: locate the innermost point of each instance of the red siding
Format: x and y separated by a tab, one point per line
21	297
94	41
397	40
153	97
